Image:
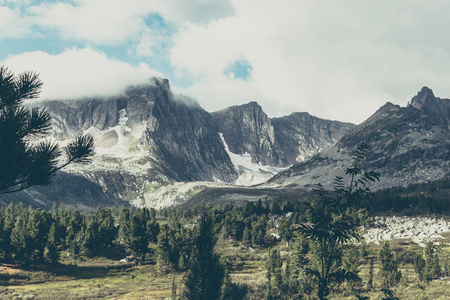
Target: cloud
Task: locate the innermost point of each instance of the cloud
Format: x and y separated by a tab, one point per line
335	59
102	22
194	11
78	73
338	60
12	25
99	22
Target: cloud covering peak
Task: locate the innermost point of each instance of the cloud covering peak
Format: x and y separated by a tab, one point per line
334	59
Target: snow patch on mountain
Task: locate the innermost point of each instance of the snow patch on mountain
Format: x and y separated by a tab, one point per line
113	141
249	172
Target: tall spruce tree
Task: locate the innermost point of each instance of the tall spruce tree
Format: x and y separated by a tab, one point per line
25	161
432	268
206	273
389	272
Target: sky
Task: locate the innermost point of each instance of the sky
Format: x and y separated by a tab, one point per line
336	59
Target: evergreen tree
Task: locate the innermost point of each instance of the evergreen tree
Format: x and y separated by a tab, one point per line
371	267
419	266
233	291
106	231
37	227
52	253
88	237
274	276
246	236
19	240
24	163
8	225
285	230
174	288
163	247
137	241
206	273
390	275
432	268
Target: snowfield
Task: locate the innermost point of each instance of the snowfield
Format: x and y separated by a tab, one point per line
249	172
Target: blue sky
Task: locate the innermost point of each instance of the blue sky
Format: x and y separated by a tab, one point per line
334	59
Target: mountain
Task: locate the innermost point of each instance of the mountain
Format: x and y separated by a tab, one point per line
175	135
155	149
145	139
411	145
301	136
261	147
247	129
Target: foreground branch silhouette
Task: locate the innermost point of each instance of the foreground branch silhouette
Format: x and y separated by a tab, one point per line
26	159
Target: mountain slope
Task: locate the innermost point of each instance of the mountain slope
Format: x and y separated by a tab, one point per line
260	147
177	137
411	145
145	139
300	135
247	129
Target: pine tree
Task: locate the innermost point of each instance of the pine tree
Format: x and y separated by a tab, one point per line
419	266
38	226
275	284
246	236
24	160
390	275
163	247
106	231
52	253
19	240
370	282
174	288
285	231
88	237
233	291
432	268
206	273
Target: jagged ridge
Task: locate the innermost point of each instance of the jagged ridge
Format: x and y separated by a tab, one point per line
411	145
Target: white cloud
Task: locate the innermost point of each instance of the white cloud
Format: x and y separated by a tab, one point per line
338	60
103	22
99	22
78	73
193	11
335	59
12	25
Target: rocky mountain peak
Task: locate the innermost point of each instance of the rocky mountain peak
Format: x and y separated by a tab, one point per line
160	82
247	129
411	145
253	105
424	97
435	108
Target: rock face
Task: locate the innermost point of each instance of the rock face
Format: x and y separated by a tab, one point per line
247	129
300	135
144	139
179	137
157	149
426	102
411	145
278	142
260	147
